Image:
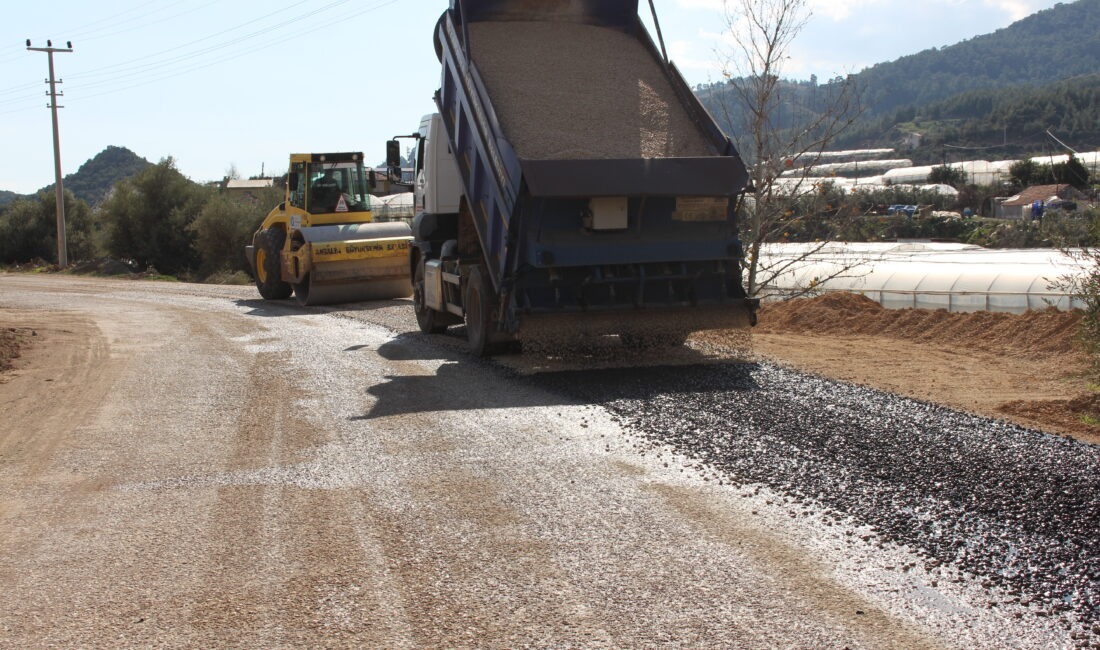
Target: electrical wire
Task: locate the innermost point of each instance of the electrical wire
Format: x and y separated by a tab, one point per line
80	34
153	64
147	64
122	75
222	61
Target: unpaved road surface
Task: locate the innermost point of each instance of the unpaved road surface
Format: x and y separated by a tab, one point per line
187	466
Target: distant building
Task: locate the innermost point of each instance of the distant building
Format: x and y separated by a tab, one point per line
911	141
1024	204
247	188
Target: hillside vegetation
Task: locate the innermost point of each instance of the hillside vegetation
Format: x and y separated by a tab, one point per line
1057	43
1016	118
93	181
95	178
1011	85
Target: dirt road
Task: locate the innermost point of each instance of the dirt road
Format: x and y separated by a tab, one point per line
187	466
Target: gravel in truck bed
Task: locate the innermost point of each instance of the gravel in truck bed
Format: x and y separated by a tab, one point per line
570	91
1018	510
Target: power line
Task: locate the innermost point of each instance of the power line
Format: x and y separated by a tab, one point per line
121	76
77	33
147	64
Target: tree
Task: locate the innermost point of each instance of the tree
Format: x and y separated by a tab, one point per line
1085	285
147	218
28	229
1072	172
1025	173
783	138
223	228
947	175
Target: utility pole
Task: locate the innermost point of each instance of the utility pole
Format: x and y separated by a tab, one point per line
59	191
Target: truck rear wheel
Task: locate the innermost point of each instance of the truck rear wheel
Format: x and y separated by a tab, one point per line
427	318
269	245
479	313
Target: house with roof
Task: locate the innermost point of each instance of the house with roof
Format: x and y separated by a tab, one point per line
1032	201
247	188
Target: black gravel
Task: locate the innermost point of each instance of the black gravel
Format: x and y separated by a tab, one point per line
1016	509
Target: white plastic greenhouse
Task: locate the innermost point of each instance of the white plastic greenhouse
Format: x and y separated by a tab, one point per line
850	168
1090	159
798	186
393	207
923	275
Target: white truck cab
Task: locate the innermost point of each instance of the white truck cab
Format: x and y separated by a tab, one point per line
438	186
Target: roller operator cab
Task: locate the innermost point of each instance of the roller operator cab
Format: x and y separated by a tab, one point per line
571	185
322	244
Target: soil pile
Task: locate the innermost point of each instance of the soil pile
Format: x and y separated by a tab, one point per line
568	91
1028	368
11	340
1031	334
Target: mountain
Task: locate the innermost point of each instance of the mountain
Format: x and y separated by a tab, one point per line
95	178
1009	122
1038	73
1053	44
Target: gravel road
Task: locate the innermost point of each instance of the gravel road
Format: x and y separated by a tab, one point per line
183	465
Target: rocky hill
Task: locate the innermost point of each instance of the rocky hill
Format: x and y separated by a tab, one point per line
95	178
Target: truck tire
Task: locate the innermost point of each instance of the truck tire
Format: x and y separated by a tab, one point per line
478	301
269	245
427	318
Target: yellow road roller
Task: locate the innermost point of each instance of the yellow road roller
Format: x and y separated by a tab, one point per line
322	243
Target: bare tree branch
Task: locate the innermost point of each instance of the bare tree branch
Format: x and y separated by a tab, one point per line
775	130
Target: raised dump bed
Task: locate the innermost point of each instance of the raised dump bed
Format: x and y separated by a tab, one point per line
571	91
598	194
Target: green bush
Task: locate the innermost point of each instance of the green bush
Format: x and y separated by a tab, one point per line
222	229
28	229
147	218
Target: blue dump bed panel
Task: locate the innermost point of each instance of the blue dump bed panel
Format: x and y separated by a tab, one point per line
550	104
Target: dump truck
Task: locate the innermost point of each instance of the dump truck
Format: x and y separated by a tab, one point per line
321	243
571	184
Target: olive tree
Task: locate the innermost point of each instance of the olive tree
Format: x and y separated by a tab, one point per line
28	229
147	218
225	225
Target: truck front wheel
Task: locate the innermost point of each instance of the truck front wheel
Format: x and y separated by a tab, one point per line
269	246
427	318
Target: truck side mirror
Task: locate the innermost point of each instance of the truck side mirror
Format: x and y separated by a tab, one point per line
393	153
292	182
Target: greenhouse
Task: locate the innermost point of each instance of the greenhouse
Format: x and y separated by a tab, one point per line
925	275
393	207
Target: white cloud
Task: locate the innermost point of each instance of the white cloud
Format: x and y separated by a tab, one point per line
1016	9
690	56
839	10
714	5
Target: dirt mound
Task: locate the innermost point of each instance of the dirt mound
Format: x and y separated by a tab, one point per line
1031	334
103	267
1080	415
11	341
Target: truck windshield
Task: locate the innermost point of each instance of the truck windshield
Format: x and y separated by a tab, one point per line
338	187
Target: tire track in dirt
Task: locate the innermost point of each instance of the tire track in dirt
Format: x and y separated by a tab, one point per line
288	564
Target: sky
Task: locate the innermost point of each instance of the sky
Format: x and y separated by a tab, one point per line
242	84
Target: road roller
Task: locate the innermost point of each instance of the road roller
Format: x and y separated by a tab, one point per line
322	244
